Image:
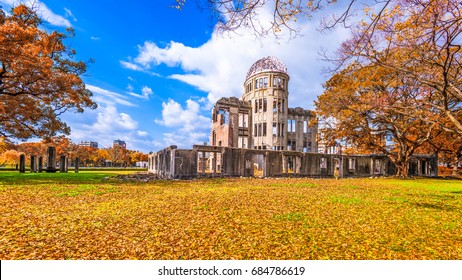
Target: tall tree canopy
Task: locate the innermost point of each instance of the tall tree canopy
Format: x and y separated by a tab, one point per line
39	80
271	17
406	59
420	40
377	109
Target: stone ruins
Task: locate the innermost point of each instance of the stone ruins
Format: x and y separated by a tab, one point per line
258	135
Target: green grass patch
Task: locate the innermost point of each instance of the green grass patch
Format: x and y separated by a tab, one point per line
442	185
16	178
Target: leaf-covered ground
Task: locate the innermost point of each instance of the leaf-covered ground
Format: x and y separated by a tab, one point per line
84	216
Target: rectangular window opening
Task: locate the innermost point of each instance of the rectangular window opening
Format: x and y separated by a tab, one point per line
351	164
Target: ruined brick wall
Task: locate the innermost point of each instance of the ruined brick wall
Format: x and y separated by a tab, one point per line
230	123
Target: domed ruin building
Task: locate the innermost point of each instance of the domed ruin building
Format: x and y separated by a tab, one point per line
258	135
261	118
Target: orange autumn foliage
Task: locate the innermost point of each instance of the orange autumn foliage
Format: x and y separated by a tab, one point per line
39	80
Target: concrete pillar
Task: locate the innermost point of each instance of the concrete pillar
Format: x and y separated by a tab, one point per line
51	164
33	165
22	163
203	162
40	164
77	163
214	163
267	170
372	167
62	164
284	165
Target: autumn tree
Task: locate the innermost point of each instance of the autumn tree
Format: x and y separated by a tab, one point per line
32	148
101	156
5	144
420	40
39	80
377	109
273	17
448	146
87	155
144	157
64	146
9	157
119	155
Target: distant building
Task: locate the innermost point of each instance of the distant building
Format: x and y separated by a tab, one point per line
142	164
119	143
88	144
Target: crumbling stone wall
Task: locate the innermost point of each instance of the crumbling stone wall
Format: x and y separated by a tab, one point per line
231	123
214	161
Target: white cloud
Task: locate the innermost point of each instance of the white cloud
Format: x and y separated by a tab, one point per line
94	38
70	14
191	127
219	66
131	66
142	133
185	140
109	119
189	119
49	16
109	124
42	10
108	97
145	92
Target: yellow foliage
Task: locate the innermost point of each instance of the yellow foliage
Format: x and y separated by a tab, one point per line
232	219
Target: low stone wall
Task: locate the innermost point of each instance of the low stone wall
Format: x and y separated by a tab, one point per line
213	161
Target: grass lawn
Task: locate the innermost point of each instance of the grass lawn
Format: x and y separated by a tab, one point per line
88	216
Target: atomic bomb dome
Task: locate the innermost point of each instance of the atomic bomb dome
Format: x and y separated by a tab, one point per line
269	63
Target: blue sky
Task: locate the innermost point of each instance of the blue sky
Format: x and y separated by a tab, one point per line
158	70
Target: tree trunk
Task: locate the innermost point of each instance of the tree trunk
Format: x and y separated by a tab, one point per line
455	164
401	162
401	170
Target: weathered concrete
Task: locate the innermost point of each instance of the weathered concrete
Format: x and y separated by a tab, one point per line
77	163
63	164
22	163
51	163
40	164
213	161
33	164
